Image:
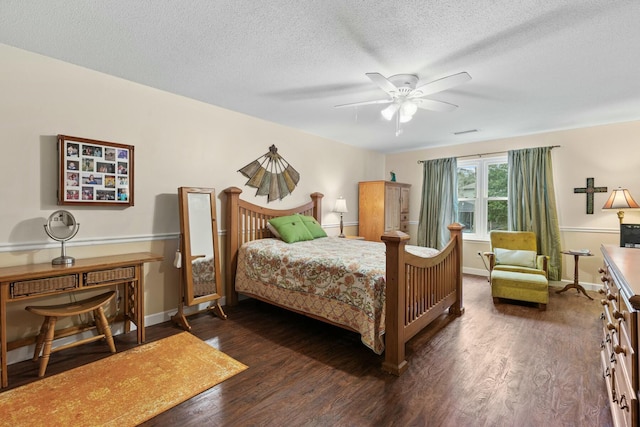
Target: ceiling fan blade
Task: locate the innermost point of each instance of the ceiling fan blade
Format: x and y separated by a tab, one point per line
440	85
433	105
356	104
383	83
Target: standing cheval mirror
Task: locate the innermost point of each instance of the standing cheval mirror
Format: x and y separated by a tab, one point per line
200	265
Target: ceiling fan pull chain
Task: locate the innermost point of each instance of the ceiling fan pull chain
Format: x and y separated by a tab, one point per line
398	126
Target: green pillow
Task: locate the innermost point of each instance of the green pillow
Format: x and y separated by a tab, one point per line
291	228
313	226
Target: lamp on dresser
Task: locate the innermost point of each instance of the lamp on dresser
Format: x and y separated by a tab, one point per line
341	208
620	199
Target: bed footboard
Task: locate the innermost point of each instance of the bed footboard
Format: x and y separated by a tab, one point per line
418	290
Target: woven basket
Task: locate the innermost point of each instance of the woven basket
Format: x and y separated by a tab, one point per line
39	286
112	275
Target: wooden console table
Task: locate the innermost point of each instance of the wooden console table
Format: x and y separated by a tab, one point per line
27	282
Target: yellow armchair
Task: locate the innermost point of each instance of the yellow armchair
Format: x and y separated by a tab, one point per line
517	271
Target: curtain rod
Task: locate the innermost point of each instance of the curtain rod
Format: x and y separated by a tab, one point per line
484	154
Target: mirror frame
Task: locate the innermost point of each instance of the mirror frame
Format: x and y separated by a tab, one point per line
63	259
187	255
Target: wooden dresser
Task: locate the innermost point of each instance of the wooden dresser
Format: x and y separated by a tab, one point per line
382	206
619	346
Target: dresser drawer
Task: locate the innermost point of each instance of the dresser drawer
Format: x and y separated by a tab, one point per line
42	286
605	345
623	400
111	275
607	374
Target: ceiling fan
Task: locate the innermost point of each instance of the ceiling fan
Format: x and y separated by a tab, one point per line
405	98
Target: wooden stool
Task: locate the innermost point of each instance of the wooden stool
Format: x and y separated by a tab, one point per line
51	314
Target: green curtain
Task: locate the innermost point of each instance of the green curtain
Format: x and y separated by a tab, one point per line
439	206
532	202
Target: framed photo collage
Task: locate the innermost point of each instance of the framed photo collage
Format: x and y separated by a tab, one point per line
94	172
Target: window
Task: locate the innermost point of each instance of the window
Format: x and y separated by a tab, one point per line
482	196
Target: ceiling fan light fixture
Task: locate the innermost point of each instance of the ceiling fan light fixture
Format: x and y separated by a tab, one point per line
404	118
390	111
408	108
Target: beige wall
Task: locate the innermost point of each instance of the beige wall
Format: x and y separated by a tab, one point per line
178	142
606	153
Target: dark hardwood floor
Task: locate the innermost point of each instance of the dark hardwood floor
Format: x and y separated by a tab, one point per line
497	365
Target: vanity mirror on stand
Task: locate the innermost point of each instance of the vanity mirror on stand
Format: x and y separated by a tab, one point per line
61	227
200	263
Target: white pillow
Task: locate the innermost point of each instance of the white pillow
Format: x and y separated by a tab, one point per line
273	231
516	257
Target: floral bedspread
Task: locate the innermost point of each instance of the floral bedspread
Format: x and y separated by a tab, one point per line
341	280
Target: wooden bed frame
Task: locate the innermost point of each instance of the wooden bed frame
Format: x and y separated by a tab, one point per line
418	290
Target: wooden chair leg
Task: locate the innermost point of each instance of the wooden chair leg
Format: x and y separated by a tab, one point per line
48	340
103	326
40	339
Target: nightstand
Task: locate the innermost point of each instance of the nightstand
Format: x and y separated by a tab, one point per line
354	237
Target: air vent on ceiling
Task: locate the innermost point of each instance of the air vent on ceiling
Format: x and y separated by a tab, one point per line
465	131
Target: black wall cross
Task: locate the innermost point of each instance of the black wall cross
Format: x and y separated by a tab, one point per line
590	189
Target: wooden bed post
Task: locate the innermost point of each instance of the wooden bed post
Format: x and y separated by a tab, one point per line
317	202
233	195
394	357
456	232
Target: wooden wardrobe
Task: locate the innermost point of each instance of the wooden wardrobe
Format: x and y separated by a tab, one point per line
382	206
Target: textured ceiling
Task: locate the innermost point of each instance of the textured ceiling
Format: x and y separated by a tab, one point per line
535	65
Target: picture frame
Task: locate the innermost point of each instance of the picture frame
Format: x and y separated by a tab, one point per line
94	173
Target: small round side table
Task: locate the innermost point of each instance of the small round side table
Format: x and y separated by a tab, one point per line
576	284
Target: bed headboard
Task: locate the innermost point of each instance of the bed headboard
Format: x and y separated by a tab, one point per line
246	222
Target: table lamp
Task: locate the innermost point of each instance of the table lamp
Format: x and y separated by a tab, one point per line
620	199
341	208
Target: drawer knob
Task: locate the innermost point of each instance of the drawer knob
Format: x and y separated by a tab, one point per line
620	349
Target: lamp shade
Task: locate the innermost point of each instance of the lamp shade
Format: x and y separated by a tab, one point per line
409	108
341	206
620	199
389	112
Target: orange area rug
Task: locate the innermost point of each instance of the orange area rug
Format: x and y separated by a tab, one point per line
121	390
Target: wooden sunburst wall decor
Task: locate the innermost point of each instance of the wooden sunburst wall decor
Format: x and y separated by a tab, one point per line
272	175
